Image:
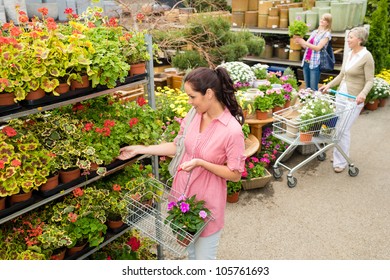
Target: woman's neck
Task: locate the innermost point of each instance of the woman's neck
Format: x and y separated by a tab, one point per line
356	49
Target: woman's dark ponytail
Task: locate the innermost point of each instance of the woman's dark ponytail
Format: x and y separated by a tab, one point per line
219	81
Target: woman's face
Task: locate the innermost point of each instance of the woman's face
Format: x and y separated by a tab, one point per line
353	41
323	22
196	99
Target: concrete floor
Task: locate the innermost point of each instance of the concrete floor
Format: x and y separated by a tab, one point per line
327	216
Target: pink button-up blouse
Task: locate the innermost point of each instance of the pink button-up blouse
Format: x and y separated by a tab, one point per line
222	142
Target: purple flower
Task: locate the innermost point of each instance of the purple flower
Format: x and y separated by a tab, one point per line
203	214
171	205
184	207
182	197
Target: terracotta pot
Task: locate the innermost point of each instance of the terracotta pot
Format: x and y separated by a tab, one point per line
245	113
382	102
372	106
287	104
305	137
94	166
7	99
69	175
186	241
233	198
20	197
50	184
114	224
62	88
35	94
59	256
75	249
137	69
261	115
83	84
276	109
2	203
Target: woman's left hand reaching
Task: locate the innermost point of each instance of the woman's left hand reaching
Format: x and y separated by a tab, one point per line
128	152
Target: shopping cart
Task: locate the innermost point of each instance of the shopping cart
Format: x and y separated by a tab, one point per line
150	218
325	132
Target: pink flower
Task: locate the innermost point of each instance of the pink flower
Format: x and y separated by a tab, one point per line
184	207
203	214
171	205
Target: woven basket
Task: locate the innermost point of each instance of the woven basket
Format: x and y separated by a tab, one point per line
257	183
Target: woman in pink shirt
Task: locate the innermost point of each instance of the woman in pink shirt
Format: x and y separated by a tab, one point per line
214	150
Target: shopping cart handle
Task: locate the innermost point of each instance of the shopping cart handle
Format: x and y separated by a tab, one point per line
342	93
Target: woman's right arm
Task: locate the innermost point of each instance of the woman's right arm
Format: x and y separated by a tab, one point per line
164	149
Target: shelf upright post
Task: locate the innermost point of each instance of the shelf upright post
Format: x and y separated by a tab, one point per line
152	103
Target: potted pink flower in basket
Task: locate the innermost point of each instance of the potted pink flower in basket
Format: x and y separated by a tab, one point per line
255	174
187	217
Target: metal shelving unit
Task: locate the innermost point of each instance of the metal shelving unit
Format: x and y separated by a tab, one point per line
280	31
27	111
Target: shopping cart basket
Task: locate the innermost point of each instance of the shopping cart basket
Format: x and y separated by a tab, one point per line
325	132
150	218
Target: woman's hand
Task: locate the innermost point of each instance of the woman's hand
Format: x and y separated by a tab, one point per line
128	152
189	165
360	99
324	88
300	41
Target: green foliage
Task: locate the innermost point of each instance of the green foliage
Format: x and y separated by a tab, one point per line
207	6
213	40
188	60
185	216
263	103
379	36
233	187
298	28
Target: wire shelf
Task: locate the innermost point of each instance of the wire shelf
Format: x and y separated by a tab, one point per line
148	213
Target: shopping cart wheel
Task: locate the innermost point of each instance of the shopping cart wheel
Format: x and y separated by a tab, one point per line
291	181
321	157
353	171
277	173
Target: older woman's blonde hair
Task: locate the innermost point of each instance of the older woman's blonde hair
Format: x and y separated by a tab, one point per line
328	18
361	33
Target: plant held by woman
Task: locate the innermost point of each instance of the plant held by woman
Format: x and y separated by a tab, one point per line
186	215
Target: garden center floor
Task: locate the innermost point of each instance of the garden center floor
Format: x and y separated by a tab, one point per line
327	216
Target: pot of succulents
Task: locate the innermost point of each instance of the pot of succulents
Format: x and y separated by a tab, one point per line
233	191
263	104
187	217
297	29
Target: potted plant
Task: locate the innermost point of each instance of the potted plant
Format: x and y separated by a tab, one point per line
260	71
233	191
255	174
53	240
380	90
262	104
298	28
186	217
240	73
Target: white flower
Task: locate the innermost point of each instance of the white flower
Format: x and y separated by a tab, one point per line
239	72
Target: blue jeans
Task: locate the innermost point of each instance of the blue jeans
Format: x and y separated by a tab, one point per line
311	76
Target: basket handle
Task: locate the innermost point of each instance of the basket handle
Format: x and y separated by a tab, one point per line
342	93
